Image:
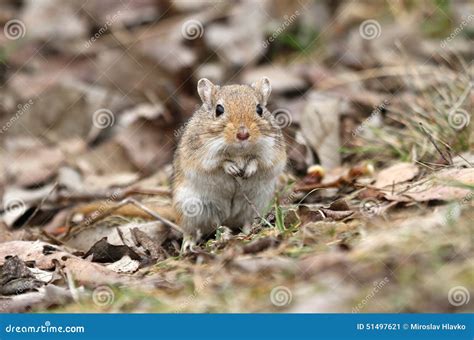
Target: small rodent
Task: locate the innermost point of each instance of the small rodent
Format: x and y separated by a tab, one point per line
231	150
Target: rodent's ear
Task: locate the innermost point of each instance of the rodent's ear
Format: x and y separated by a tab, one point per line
205	89
263	88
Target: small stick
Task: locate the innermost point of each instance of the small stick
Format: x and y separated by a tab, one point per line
150	212
126	201
430	138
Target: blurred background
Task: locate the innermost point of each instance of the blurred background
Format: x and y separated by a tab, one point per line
94	95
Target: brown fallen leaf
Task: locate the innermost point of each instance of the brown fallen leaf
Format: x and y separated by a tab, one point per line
104	252
311	214
259	245
85	272
43	298
442	186
153	247
28	166
16	277
323	111
397	173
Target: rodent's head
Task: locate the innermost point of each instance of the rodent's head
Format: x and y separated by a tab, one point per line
237	114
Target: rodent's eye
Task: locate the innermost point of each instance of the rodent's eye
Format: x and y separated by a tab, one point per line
259	110
219	110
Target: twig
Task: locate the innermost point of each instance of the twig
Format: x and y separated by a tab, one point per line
430	138
126	201
150	212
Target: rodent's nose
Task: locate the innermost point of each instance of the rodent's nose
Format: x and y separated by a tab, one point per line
243	134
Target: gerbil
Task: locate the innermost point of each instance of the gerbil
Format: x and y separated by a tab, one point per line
231	146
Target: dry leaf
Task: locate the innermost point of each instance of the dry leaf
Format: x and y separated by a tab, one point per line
397	173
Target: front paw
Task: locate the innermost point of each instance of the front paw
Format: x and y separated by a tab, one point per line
250	169
232	169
